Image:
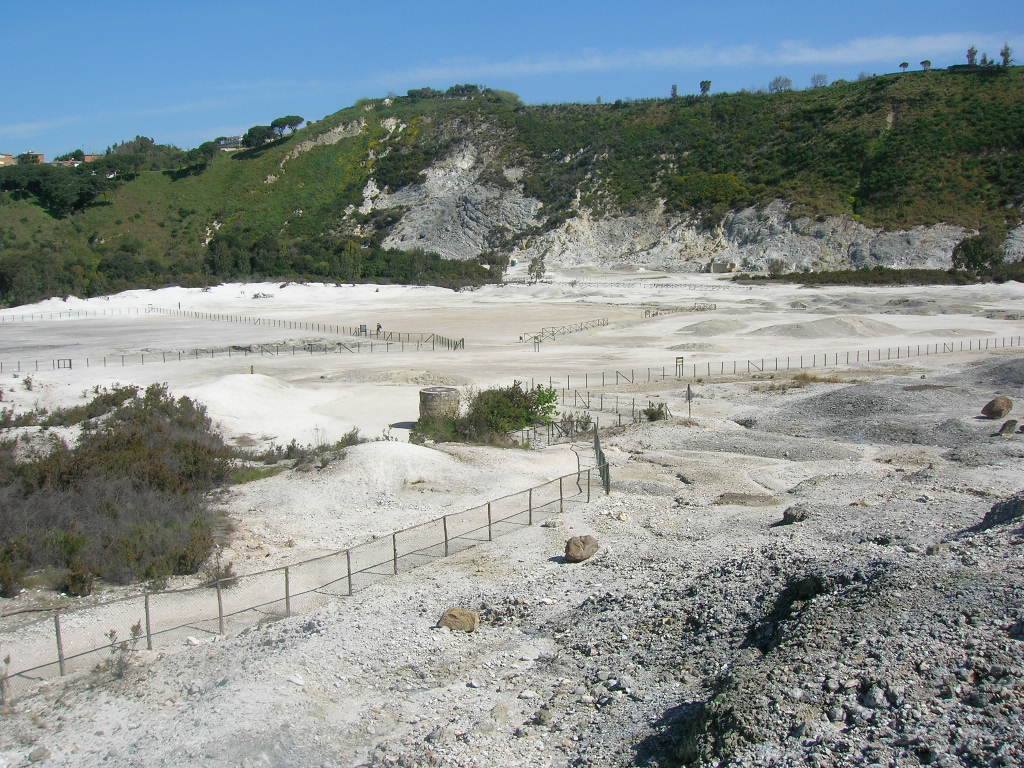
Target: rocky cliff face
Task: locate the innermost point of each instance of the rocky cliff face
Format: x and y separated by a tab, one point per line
458	213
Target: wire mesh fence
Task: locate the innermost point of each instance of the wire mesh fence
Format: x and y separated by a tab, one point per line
45	643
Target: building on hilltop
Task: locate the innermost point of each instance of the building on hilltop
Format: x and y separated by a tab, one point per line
6	159
229	143
31	158
90	158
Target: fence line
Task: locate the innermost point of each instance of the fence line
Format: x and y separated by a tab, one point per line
698	306
69	314
231	604
210	353
436	340
588	381
551	332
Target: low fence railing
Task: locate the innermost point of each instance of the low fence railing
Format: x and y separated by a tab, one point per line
49	642
596	380
552	332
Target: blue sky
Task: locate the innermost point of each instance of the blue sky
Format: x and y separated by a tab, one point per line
87	74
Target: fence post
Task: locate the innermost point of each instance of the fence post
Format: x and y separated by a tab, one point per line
60	642
561	497
444	522
149	629
287	593
348	569
394	549
529	506
490	535
588	486
220	610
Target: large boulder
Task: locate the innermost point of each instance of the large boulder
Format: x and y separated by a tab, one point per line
580	548
460	620
997	407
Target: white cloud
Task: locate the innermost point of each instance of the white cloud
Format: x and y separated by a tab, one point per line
890	49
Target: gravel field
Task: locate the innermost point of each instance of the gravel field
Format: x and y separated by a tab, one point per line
882	625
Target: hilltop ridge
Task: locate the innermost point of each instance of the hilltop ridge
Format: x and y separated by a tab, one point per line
894	171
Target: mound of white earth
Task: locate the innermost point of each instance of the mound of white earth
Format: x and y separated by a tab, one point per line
830	327
713	327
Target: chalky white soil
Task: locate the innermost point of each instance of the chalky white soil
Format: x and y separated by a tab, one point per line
884	629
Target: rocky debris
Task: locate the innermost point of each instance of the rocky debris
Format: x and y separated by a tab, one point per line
580	548
1005	511
39	754
794	514
1008	428
707	640
997	407
460	620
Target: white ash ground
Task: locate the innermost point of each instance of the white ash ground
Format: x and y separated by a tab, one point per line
885	629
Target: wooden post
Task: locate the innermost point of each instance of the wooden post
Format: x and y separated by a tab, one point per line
529	506
220	609
348	569
490	532
444	522
588	486
561	497
287	593
60	642
149	629
394	549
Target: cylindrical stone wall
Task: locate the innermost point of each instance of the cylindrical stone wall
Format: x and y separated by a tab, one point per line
439	402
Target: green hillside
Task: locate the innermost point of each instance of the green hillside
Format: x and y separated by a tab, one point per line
893	151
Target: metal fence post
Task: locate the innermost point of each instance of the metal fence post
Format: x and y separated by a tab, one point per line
287	593
529	506
60	642
348	569
149	629
220	609
561	497
588	486
444	522
394	549
490	535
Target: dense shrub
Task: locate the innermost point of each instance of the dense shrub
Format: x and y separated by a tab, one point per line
492	414
127	502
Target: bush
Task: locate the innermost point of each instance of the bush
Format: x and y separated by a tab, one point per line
127	502
491	415
655	412
981	253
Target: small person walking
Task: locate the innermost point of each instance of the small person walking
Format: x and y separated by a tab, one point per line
379	328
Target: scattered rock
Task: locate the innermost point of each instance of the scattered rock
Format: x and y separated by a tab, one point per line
875	698
1008	428
997	407
580	548
38	754
1005	511
460	620
795	514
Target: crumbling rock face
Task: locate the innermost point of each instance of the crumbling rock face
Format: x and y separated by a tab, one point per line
458	212
454	212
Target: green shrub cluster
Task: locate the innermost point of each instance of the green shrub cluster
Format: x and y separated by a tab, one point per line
997	273
127	502
491	415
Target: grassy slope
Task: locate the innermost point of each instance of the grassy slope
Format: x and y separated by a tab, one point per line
893	151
